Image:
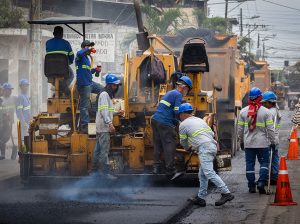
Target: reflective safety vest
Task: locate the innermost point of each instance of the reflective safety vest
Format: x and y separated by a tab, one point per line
59	45
105	113
262	135
195	131
167	110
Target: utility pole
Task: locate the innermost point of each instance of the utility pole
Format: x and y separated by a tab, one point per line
263	53
88	8
35	77
226	9
241	22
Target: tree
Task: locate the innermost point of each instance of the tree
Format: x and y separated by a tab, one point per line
10	15
162	22
216	23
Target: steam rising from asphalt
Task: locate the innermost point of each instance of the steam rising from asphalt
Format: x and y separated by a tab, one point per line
95	189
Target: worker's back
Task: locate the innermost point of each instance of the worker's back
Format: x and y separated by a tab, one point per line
196	131
262	133
167	110
59	45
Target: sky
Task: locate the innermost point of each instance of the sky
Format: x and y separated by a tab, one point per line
282	32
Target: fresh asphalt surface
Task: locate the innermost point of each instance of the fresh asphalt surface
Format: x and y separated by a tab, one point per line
134	200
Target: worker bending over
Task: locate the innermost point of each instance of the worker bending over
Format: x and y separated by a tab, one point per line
24	108
269	100
8	112
104	125
256	132
163	123
85	84
59	45
194	131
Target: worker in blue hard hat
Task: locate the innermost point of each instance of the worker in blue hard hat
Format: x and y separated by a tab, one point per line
8	111
24	107
256	134
269	100
194	132
163	123
104	125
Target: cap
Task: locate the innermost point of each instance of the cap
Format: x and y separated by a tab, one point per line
24	82
7	86
87	43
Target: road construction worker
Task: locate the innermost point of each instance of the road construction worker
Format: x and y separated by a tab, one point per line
296	115
269	100
59	45
85	84
24	107
104	125
163	123
8	111
256	132
195	131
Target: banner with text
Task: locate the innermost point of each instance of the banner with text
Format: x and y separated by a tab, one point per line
104	44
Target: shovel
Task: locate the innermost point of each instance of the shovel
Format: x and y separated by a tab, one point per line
181	173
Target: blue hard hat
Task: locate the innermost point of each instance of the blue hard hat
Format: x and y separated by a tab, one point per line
24	82
187	81
185	107
7	86
254	93
112	79
269	96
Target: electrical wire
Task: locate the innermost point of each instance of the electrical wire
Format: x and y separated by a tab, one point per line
285	6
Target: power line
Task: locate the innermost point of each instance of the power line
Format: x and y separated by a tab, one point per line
285	6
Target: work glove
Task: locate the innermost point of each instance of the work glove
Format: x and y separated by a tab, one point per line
242	146
272	147
189	149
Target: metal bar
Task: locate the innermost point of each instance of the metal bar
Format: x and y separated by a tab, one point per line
45	155
76	31
83	31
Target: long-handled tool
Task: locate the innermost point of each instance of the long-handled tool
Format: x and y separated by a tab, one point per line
181	173
269	178
270	163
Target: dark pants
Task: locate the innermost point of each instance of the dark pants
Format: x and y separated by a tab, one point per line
262	155
84	104
164	140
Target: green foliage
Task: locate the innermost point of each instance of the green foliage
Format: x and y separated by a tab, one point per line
11	16
162	23
243	43
216	23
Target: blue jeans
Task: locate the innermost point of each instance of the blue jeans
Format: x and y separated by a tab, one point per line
84	93
262	155
275	164
101	151
206	154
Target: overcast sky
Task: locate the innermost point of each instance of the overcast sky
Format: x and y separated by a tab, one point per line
283	22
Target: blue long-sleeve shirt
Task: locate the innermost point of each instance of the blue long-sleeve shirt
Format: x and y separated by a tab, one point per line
23	109
83	68
59	45
167	110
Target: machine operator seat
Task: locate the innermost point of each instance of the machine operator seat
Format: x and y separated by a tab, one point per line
194	58
56	66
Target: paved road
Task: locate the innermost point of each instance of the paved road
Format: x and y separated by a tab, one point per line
137	201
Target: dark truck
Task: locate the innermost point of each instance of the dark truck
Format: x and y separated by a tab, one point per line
292	75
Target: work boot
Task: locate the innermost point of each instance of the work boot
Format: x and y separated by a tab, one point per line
252	189
2	157
156	170
224	198
84	129
261	188
273	182
198	201
170	172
